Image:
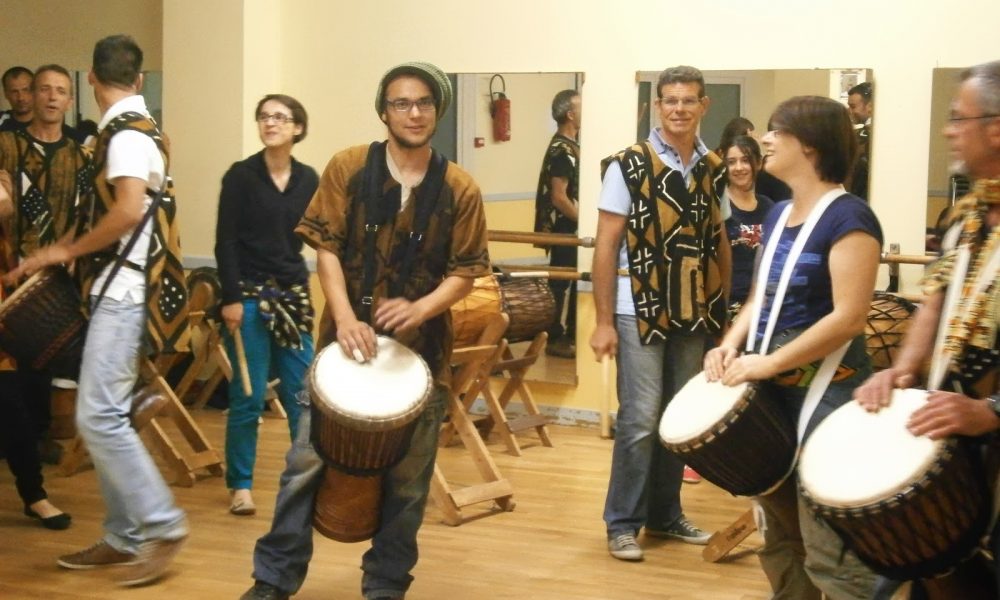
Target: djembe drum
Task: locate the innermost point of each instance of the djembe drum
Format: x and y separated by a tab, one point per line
363	415
42	324
528	302
470	315
910	507
888	320
736	438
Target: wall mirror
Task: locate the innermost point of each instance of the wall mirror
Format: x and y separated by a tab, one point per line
508	171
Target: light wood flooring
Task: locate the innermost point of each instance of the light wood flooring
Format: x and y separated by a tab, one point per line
550	547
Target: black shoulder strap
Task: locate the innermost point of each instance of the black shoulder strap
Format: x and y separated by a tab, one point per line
372	180
427	196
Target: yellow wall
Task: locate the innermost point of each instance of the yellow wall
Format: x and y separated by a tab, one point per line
219	56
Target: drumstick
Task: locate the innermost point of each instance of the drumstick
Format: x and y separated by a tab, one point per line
605	406
241	358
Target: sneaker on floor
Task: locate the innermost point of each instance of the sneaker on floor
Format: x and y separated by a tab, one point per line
690	475
624	547
264	591
99	555
154	558
682	530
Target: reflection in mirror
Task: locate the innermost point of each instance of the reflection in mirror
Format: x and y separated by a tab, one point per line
753	95
508	174
943	188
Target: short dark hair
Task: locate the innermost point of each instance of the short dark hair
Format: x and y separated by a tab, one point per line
986	78
117	61
298	112
13	72
737	126
865	89
562	103
749	147
823	125
54	68
680	74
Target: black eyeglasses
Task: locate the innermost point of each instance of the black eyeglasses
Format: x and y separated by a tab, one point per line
955	119
278	118
405	104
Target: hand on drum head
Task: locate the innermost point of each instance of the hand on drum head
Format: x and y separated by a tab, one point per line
749	367
604	342
399	315
948	413
717	360
876	393
357	340
52	254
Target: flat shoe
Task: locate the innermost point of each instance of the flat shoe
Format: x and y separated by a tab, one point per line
242	508
55	522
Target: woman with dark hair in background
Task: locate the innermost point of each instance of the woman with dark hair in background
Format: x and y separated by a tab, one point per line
819	308
265	283
767	184
746	210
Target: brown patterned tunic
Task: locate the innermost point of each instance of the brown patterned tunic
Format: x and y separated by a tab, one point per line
49	180
454	244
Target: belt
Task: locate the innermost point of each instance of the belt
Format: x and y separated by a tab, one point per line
623	272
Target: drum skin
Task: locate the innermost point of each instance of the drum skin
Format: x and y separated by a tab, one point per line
925	526
42	324
357	449
888	320
747	452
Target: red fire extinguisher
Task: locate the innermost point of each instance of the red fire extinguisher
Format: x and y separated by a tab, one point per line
500	111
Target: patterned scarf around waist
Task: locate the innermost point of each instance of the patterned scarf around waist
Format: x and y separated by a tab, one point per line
287	311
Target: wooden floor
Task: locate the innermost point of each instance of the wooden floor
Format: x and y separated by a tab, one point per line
550	547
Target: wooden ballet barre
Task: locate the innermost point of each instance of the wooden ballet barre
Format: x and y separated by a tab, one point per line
540	239
559	273
907	259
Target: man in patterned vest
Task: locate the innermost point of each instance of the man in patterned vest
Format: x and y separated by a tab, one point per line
557	211
970	350
660	260
142	308
47	173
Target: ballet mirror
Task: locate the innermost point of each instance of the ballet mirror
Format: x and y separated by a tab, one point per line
507	172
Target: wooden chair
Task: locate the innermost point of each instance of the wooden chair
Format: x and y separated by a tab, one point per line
512	371
471	368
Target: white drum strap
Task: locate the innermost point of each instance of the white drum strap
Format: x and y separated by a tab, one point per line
786	273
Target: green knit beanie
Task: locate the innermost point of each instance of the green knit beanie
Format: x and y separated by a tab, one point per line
434	77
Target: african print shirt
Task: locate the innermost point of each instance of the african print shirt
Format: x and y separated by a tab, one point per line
454	244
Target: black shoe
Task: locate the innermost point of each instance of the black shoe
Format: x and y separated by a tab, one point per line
264	591
60	521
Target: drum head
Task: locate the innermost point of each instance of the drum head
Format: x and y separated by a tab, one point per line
373	396
30	283
855	458
697	407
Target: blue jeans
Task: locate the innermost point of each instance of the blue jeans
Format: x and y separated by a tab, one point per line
281	557
139	504
645	485
289	364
